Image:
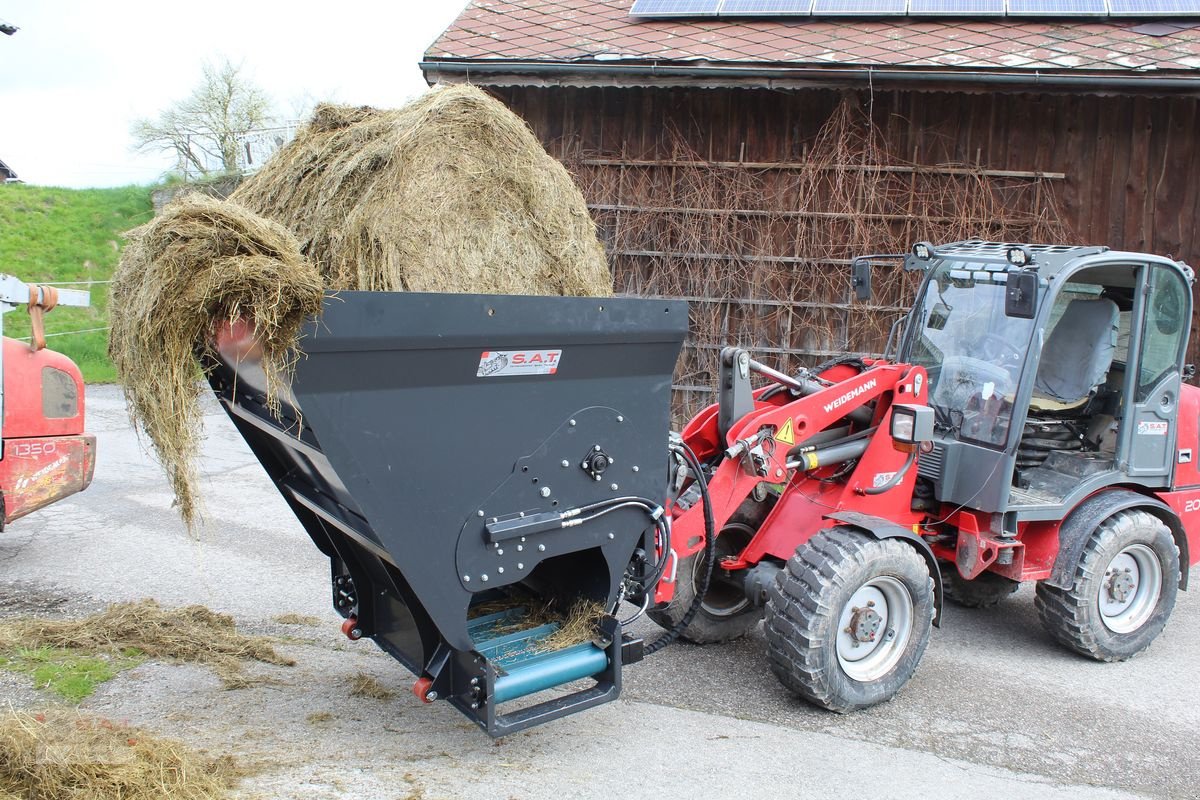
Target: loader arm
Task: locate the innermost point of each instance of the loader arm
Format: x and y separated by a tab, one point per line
779	442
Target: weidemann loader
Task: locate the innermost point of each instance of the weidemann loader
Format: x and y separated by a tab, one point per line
464	460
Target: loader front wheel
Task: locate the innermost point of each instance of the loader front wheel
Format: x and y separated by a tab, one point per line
1122	592
849	619
725	613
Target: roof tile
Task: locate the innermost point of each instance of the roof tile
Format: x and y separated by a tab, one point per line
575	30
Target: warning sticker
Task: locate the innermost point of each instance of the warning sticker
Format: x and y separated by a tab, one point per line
786	434
1151	428
494	363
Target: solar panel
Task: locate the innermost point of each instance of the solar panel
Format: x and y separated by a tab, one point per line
1155	8
774	8
965	8
1056	8
675	8
859	8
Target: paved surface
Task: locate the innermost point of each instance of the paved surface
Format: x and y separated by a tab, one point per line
995	710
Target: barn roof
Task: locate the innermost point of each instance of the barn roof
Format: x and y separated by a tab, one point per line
585	41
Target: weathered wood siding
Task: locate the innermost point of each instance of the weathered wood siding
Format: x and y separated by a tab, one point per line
1130	165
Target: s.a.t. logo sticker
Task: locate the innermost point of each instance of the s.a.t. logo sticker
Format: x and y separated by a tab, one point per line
494	363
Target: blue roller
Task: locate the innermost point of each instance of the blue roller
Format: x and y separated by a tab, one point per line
549	670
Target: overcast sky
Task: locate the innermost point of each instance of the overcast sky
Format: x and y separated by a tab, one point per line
78	72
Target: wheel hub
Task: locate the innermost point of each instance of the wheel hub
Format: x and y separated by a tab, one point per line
864	623
1121	585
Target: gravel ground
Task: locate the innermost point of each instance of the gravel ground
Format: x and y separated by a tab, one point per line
996	710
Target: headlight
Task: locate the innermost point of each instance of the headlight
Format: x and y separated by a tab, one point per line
923	250
1020	256
911	424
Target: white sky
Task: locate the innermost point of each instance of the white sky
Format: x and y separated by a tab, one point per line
78	72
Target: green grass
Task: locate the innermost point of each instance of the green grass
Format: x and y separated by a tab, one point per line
69	673
50	235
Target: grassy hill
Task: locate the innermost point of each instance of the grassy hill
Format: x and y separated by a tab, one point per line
57	235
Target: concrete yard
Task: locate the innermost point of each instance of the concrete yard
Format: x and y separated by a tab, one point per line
995	710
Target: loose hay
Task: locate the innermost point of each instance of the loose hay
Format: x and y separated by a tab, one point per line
202	262
363	685
192	634
452	193
63	755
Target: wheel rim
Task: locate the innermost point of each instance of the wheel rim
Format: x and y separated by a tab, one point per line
874	628
724	598
1130	588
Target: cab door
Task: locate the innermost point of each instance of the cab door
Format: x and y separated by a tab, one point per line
1151	430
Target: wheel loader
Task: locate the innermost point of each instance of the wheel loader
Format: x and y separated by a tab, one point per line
45	454
468	461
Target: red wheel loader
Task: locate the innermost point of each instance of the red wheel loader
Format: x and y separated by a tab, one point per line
464	460
44	453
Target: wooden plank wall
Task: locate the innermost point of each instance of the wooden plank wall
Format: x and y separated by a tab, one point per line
1131	165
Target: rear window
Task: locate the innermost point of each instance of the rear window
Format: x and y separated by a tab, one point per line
60	399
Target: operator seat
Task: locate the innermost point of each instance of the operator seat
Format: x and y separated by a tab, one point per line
1078	353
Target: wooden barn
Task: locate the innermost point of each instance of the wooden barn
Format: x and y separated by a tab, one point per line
743	161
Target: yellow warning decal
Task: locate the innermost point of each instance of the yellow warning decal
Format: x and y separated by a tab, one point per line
811	460
786	434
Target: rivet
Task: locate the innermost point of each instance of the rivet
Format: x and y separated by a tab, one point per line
483	578
544	491
480	512
596	448
466	578
612	535
571	423
520	547
565	463
614	486
541	548
620	418
520	565
636	468
499	552
500	570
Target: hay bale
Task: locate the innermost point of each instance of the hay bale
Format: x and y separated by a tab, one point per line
202	262
65	755
452	193
192	634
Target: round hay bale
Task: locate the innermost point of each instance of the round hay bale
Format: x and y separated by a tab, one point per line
452	193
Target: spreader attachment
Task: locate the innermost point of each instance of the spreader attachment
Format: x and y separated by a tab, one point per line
485	474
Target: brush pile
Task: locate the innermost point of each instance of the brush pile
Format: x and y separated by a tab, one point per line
452	193
65	755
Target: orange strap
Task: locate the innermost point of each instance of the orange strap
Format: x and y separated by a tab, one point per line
42	300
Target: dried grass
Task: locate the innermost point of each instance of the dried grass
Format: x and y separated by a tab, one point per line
306	620
64	755
364	685
193	634
202	262
452	193
576	625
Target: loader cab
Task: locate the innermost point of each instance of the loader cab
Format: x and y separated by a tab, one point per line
1037	410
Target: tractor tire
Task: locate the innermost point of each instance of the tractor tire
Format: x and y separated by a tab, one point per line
1123	590
984	591
822	645
725	614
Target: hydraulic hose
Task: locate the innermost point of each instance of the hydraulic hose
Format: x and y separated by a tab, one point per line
710	556
895	479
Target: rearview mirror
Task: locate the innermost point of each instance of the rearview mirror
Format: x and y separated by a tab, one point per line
1020	296
860	279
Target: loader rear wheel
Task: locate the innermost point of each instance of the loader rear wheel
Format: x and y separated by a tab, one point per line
849	619
725	613
1123	590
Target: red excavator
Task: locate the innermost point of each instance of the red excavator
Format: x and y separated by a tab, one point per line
468	461
45	454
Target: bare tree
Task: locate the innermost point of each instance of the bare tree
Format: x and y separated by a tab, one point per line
203	129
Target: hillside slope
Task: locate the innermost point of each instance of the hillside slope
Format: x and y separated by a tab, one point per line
50	235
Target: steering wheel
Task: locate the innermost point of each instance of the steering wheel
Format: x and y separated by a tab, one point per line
962	377
996	349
